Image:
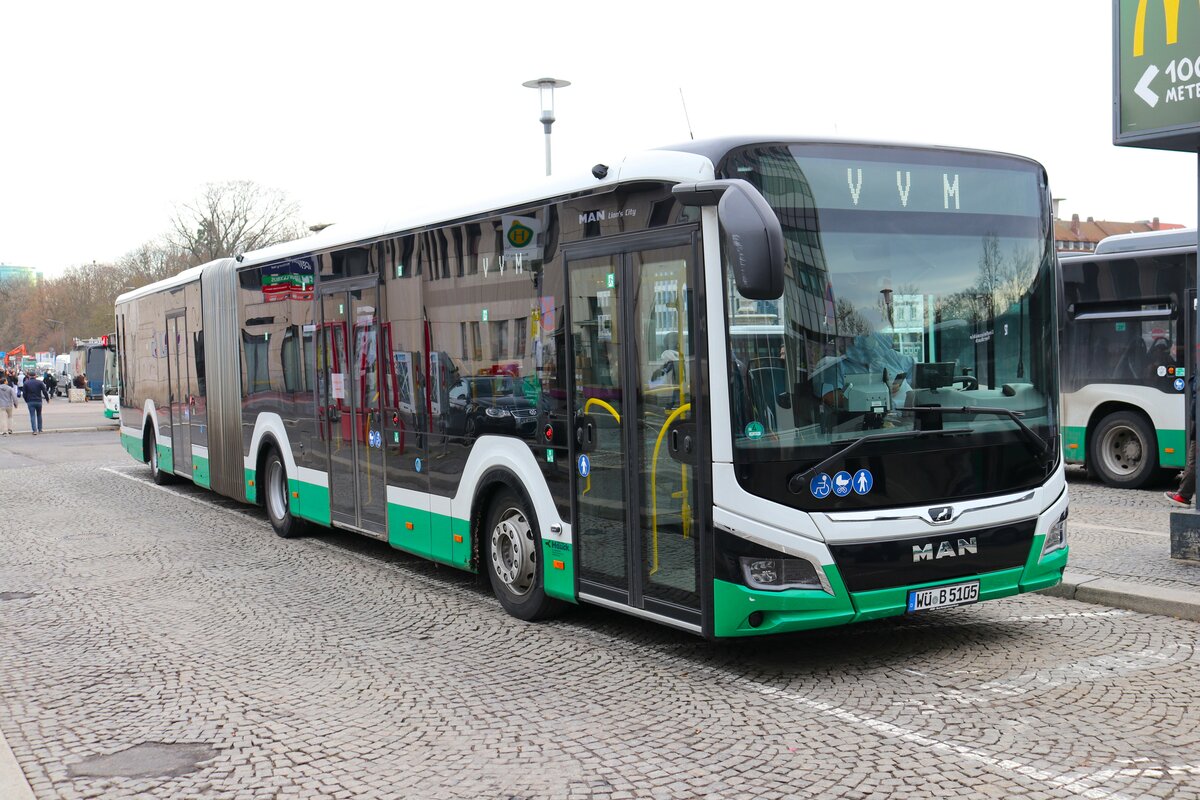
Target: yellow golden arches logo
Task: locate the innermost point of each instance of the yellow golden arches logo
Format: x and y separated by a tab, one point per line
1170	16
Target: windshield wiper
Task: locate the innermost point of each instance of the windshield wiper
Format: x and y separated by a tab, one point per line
798	481
1040	447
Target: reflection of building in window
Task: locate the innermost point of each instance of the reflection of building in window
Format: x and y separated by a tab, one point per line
520	337
908	314
254	348
476	342
499	340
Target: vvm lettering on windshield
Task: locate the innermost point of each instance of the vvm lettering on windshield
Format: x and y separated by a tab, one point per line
950	188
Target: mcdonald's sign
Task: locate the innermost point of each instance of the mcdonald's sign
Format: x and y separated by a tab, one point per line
1156	74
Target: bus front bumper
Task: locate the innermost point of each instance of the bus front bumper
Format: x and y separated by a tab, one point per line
742	611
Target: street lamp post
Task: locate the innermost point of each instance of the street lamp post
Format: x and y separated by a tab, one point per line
546	87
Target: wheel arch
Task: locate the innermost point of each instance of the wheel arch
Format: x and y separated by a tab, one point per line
491	483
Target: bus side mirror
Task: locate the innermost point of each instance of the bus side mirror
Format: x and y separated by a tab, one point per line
752	237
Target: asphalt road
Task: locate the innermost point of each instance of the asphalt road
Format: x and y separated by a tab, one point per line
165	643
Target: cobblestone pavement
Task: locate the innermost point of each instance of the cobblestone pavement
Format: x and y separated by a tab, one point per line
167	644
1125	534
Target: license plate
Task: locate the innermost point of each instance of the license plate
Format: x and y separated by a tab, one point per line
956	594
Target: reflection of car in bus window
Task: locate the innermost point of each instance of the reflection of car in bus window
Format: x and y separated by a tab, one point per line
491	404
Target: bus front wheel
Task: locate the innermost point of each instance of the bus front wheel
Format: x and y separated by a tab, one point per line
1124	450
512	557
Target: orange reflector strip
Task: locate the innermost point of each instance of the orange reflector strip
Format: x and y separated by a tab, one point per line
1169	449
251	483
295	494
1072	447
408	526
458	537
559	565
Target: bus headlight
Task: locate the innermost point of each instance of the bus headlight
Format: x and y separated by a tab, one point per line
493	411
777	574
1056	537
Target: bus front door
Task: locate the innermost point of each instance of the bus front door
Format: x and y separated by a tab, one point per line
178	380
350	408
634	402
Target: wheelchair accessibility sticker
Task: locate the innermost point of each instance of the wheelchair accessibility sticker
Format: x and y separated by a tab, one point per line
820	486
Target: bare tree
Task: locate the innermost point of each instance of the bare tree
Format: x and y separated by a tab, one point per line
231	218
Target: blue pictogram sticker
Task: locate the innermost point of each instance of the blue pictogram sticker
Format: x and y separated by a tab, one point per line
863	481
820	486
1179	384
841	484
585	466
417	464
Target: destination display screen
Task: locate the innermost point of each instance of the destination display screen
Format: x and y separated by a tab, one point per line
864	184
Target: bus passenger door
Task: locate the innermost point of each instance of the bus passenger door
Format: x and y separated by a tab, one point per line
351	408
178	382
635	438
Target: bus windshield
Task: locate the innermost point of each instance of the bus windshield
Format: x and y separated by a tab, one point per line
914	278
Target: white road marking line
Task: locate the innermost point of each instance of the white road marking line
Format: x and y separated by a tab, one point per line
1089	526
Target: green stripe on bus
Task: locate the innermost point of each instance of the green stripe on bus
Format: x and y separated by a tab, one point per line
309	501
792	610
423	533
558	581
1172	440
133	446
200	474
1074	444
165	459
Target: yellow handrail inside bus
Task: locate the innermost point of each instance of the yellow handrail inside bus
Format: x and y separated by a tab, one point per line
685	509
591	401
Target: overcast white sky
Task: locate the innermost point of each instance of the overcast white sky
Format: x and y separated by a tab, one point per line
113	113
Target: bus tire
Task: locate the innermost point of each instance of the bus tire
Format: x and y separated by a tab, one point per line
511	555
1124	450
161	478
276	494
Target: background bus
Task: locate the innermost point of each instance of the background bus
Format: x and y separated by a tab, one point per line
88	359
1126	327
734	386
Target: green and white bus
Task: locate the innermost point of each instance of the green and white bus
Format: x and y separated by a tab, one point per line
738	386
1126	324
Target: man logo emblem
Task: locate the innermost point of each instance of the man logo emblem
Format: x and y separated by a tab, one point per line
941	514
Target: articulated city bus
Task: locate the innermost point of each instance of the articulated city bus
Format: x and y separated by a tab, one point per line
735	386
1126	321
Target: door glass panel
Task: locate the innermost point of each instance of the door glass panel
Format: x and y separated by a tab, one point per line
337	408
665	367
181	440
368	413
600	449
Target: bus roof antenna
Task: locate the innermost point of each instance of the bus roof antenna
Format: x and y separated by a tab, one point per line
685	114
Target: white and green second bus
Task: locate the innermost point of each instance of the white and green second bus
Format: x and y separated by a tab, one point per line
738	386
1126	324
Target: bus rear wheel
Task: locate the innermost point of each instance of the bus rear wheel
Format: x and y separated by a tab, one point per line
512	557
276	496
1124	450
161	478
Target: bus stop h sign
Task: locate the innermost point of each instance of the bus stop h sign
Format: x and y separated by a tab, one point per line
1156	74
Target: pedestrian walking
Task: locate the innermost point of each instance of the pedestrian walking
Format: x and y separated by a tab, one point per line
8	401
33	390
